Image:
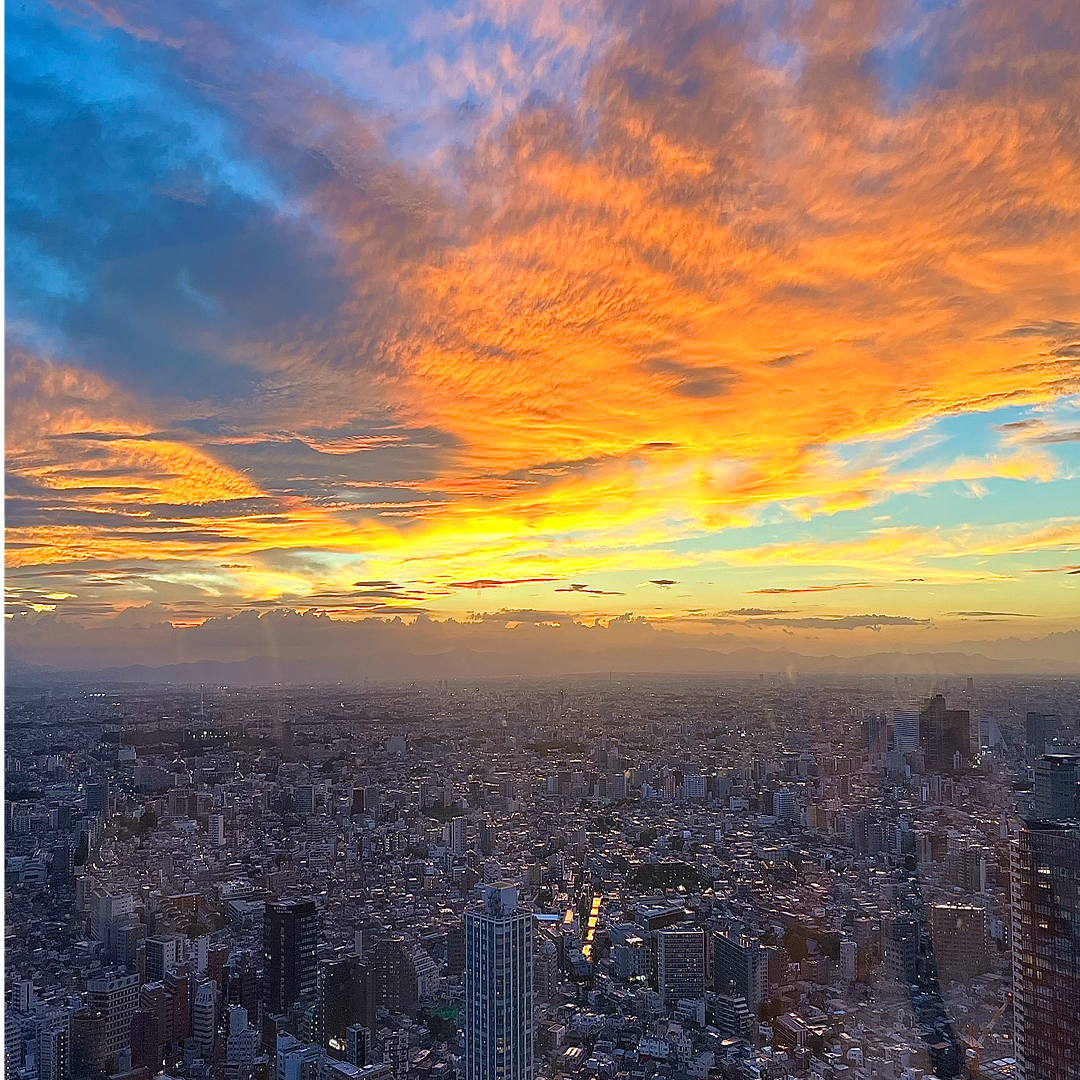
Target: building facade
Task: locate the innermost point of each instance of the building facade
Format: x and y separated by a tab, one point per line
498	980
1046	950
290	940
680	965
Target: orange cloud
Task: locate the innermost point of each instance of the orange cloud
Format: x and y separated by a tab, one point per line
739	263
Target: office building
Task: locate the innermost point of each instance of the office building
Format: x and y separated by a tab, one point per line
215	829
97	797
290	940
945	736
499	988
456	835
784	807
959	936
204	1018
680	965
243	1039
739	967
393	977
305	799
116	998
1046	950
1057	787
54	1048
162	953
296	1060
107	914
128	935
694	787
905	730
901	941
147	1049
357	1045
1039	729
990	737
343	999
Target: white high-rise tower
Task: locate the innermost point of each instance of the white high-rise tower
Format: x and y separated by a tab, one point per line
499	988
905	730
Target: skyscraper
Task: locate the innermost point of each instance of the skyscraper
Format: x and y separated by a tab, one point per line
215	829
905	730
499	988
1057	787
162	953
959	935
1046	950
116	997
680	964
1039	728
343	999
393	977
204	1018
739	967
945	735
290	938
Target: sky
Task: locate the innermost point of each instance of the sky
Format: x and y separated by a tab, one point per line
758	320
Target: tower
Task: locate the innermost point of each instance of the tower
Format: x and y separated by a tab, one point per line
944	734
499	988
1046	949
290	939
905	730
1057	787
204	1019
680	965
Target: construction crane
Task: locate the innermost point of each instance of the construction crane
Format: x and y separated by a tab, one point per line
974	1045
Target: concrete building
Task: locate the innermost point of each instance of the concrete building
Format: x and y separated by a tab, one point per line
393	977
739	967
680	965
1039	729
116	997
905	730
944	735
161	954
849	959
1046	950
204	1018
959	935
1057	787
243	1039
290	940
215	829
54	1048
499	988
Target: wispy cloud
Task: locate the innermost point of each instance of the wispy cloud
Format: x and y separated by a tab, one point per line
508	294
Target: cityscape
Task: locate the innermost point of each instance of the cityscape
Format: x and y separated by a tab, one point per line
607	877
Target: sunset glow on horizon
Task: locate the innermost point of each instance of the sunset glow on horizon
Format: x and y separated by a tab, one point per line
755	317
